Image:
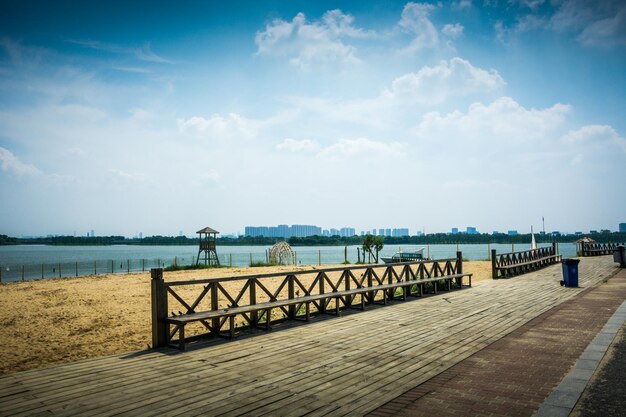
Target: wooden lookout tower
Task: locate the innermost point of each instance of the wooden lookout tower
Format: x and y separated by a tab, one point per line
206	251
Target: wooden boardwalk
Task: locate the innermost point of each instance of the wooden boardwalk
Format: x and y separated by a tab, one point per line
336	366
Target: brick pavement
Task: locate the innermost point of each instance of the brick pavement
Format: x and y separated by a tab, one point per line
514	375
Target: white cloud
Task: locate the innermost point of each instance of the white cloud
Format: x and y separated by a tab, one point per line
462	4
210	176
453	30
294	145
415	20
436	84
596	23
305	43
143	53
220	127
130	176
606	32
596	134
503	122
353	147
11	163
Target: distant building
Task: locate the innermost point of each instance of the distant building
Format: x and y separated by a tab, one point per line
400	232
419	233
283	231
454	231
471	230
605	231
578	233
347	232
512	233
622	227
593	232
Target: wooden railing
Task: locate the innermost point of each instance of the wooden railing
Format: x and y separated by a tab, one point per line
213	302
598	249
516	263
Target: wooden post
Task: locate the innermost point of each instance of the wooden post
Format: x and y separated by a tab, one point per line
488	251
215	322
322	301
76	268
159	309
128	266
319	257
345	255
255	314
250	258
22	272
112	266
494	273
94	268
291	293
459	262
230	259
41	271
59	269
428	256
554	248
512	247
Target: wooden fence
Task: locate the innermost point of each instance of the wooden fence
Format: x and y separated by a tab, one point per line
213	303
598	249
516	263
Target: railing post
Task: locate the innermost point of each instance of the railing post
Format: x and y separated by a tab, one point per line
494	272
254	315
159	309
215	322
322	291
291	290
459	262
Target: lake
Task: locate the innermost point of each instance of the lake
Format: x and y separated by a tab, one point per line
41	261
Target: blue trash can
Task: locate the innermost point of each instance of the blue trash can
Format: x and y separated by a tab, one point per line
570	272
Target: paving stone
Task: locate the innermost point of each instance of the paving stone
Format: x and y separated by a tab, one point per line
517	374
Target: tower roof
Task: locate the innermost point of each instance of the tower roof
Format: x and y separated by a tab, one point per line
207	230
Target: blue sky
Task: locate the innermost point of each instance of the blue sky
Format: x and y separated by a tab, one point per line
127	118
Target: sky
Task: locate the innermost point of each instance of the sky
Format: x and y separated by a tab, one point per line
127	117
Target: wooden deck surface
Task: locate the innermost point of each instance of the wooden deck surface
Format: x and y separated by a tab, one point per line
332	366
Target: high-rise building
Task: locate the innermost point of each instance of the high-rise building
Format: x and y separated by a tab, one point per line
622	228
400	232
455	230
347	232
512	233
471	230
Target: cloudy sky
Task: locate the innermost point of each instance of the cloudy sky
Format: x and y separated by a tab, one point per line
127	118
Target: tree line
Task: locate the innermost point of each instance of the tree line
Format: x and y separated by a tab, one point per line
432	239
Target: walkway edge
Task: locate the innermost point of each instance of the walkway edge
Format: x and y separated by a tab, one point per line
564	397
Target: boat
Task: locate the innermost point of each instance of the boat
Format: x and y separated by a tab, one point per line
408	256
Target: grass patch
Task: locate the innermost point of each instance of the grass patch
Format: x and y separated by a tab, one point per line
262	263
191	267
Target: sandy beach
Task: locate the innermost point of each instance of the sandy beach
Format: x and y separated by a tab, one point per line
48	322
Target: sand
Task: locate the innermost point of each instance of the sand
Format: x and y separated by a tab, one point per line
48	322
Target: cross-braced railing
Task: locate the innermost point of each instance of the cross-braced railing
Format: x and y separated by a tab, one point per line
265	299
598	249
515	263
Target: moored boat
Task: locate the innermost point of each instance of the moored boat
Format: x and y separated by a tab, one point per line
409	256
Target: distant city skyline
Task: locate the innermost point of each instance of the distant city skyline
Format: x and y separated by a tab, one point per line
311	230
160	117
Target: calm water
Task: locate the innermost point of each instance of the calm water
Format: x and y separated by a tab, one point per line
40	261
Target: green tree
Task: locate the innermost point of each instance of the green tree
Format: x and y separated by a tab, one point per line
373	245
